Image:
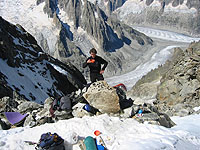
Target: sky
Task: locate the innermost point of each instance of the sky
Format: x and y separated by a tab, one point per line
118	133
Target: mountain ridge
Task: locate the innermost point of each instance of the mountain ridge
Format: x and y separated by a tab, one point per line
25	68
162	14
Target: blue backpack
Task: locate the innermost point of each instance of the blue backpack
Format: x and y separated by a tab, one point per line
50	141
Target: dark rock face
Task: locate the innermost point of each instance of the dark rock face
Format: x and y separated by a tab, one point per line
34	71
114	4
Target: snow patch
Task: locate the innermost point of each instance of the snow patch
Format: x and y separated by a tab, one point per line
96	14
64	72
36	81
117	133
92	1
196	108
64	18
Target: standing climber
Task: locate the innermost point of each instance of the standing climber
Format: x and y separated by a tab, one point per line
94	62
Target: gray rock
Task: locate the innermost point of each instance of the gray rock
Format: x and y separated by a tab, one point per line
48	102
30	121
8	104
28	107
127	113
152	116
61	115
103	97
148	2
165	121
190	87
3	125
44	120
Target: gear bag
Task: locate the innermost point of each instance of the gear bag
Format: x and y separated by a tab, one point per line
62	103
49	141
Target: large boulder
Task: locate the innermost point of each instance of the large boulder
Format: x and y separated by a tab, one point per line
103	97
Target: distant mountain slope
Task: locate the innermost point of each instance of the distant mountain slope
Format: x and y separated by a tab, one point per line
67	29
108	6
177	15
26	69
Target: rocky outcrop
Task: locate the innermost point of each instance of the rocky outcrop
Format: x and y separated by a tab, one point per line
122	30
173	87
25	68
180	86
